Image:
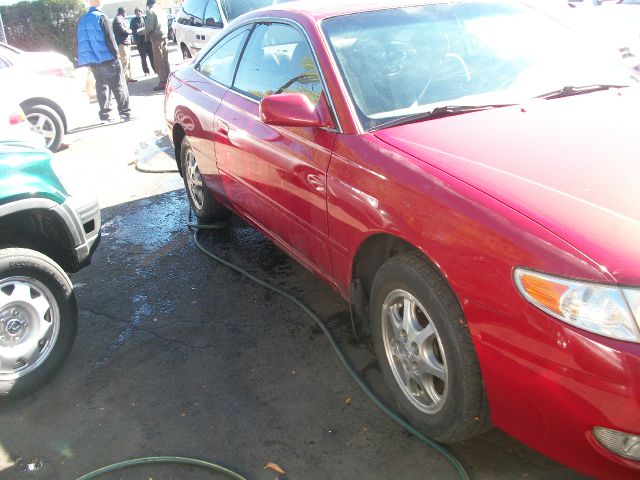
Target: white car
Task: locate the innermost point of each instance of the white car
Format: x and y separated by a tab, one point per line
51	104
199	21
47	63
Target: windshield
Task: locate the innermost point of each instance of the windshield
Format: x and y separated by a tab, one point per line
235	8
404	61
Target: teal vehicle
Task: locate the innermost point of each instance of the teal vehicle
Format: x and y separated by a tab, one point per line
45	232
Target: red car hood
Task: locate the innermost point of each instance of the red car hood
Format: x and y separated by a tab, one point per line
570	164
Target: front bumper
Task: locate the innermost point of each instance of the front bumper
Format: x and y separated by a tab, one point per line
550	384
82	216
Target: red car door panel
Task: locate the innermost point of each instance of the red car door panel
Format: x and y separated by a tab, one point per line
277	175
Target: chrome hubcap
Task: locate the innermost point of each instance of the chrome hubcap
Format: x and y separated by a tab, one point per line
194	180
414	352
42	125
29	326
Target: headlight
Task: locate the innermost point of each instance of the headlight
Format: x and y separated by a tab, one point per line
603	309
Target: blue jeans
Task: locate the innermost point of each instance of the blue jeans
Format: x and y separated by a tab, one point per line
110	77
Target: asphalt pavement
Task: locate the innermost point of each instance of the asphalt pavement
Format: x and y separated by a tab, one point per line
177	355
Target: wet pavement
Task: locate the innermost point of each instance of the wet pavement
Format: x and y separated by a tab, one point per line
178	355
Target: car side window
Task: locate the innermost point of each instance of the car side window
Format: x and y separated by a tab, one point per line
196	9
278	59
212	15
219	64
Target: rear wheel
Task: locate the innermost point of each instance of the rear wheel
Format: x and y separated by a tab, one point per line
38	320
46	122
203	205
425	351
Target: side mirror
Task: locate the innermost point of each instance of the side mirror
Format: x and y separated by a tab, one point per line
289	110
213	23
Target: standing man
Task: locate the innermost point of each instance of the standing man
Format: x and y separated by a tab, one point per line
123	39
97	49
144	45
156	29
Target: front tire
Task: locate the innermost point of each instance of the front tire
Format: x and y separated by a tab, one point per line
203	205
425	351
186	54
46	122
38	320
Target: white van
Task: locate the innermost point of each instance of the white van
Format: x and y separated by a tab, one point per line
198	21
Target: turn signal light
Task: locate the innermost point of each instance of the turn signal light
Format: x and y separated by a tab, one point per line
623	444
603	309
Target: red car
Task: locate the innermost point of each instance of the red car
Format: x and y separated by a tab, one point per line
467	178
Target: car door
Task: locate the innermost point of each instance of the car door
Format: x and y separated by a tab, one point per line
209	81
277	175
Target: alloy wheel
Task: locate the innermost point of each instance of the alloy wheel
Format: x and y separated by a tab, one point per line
43	125
29	326
194	181
413	349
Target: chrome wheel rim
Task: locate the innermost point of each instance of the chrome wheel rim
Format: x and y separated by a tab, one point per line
414	352
43	125
29	326
194	180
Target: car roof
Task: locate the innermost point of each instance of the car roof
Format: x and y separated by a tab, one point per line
332	8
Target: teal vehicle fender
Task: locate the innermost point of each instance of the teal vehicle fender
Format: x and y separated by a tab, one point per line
28	174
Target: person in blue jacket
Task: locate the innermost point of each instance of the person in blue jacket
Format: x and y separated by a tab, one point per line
98	50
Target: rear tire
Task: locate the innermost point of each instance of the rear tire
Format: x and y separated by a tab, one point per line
38	320
46	122
425	351
202	203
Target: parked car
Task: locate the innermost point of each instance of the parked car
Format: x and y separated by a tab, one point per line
199	21
466	183
48	63
52	105
45	230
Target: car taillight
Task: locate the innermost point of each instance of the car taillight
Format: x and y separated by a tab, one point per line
58	72
16	117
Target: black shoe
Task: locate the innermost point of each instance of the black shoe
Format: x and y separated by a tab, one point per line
131	80
159	88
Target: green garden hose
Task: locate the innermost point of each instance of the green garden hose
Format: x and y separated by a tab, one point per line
168	459
455	463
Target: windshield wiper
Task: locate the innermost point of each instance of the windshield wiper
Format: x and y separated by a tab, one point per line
439	112
570	90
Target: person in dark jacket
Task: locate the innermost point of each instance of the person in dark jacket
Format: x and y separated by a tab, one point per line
122	33
157	29
143	44
97	49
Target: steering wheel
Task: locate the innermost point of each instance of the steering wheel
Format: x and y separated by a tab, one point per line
396	56
383	59
451	69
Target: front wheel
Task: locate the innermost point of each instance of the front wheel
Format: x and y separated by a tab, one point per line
46	122
425	351
186	54
38	320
